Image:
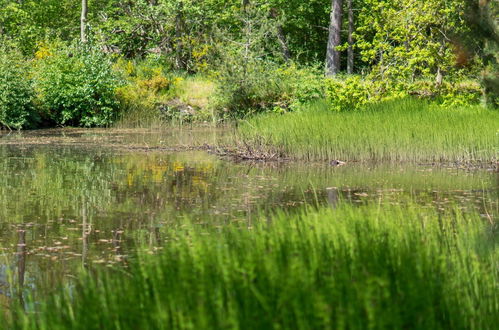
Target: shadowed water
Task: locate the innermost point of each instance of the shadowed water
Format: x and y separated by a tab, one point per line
89	198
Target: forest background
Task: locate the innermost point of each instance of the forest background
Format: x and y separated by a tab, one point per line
141	62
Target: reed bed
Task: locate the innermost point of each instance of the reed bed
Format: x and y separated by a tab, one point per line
399	130
369	267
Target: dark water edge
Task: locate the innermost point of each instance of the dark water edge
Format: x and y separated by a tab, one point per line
73	199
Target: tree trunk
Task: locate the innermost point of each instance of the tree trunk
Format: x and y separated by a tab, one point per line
334	40
284	44
350	61
281	37
83	25
179	35
439	78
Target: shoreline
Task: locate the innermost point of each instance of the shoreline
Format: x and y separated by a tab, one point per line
236	152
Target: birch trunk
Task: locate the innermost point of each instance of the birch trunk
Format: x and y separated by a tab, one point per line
334	40
350	61
83	22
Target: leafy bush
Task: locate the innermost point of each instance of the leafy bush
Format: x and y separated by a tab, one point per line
264	85
248	88
448	94
16	91
76	86
145	98
302	85
346	93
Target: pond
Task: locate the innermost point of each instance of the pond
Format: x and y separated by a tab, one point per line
74	198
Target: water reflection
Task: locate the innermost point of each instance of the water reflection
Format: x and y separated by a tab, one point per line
65	204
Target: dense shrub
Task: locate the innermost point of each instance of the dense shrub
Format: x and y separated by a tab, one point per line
153	96
302	85
248	88
264	85
16	93
76	86
346	93
466	92
142	96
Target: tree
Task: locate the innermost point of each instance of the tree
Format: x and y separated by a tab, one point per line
482	18
83	21
334	40
281	37
350	38
409	40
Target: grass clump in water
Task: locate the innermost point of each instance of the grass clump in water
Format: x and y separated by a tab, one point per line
357	268
398	130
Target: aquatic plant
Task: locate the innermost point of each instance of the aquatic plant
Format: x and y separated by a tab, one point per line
378	266
399	130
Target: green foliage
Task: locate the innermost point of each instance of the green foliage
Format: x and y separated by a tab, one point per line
267	86
145	92
246	71
376	266
484	40
76	86
15	23
398	130
247	89
28	22
346	93
407	40
262	54
448	94
349	93
300	85
16	91
251	77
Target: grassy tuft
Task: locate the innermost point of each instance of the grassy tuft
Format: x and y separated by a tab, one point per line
398	130
370	267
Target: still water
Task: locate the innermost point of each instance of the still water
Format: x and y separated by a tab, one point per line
73	199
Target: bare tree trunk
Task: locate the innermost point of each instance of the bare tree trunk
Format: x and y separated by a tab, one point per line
334	40
281	37
350	60
83	22
439	78
179	36
284	43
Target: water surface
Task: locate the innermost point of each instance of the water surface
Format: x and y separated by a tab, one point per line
90	198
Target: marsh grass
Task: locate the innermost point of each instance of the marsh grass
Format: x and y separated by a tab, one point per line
397	130
377	266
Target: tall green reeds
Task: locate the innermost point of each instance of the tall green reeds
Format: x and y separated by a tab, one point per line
353	267
398	130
